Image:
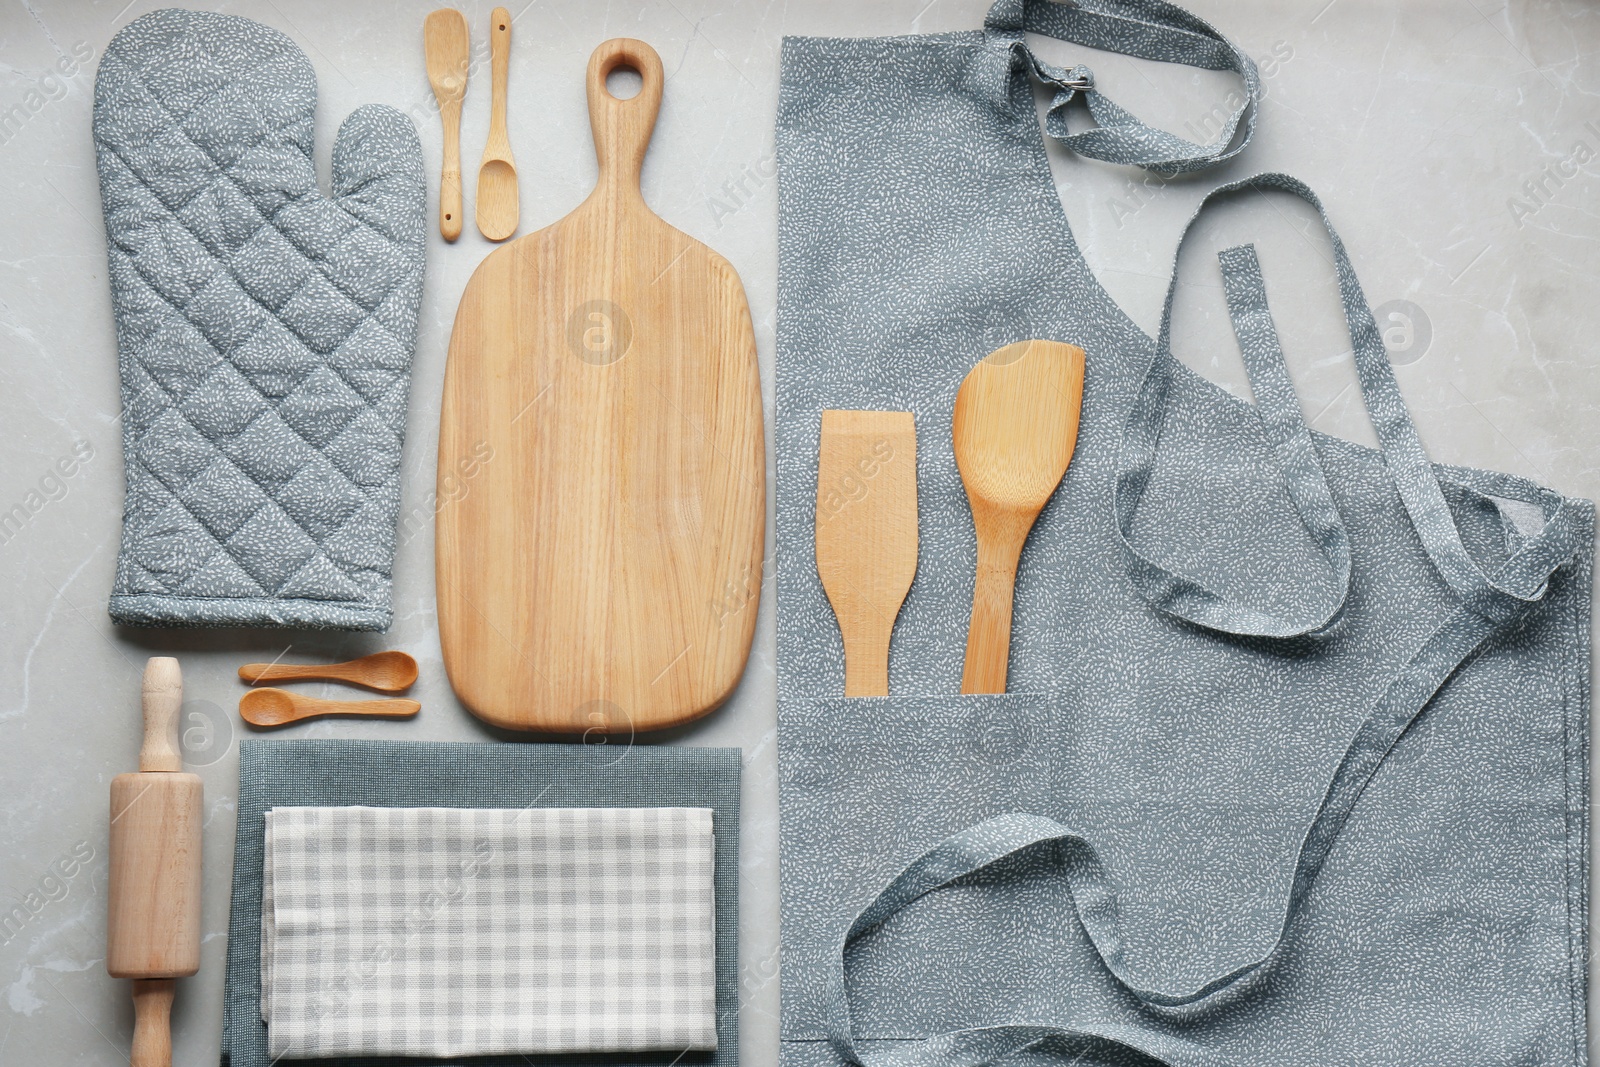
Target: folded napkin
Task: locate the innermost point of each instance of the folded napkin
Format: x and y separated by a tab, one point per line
468	931
276	774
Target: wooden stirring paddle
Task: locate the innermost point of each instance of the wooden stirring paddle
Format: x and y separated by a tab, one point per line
1016	421
496	196
867	534
387	672
447	50
276	707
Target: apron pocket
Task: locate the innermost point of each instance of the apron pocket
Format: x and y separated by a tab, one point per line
867	785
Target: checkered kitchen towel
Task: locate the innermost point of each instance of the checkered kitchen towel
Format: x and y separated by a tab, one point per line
463	931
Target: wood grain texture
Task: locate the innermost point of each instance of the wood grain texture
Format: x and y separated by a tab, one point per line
153	924
390	671
279	707
153	893
152	1022
600	569
1015	425
447	48
496	198
866	534
161	704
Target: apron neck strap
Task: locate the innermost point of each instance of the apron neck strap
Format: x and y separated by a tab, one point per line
1145	29
1501	596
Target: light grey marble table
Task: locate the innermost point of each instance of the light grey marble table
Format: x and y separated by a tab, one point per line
1455	141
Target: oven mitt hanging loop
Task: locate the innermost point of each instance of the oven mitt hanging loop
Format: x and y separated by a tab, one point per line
264	330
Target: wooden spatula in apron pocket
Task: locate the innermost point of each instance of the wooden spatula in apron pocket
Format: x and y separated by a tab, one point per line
599	557
866	534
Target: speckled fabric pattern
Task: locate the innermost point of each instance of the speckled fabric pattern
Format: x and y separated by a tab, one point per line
1293	767
264	331
1149	29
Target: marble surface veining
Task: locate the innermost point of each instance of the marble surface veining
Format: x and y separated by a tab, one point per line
1456	142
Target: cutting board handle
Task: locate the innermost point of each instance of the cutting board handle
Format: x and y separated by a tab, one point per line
622	128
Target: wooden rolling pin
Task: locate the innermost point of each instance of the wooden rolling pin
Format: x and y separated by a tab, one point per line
153	927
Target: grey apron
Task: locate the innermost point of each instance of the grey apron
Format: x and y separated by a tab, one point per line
1293	765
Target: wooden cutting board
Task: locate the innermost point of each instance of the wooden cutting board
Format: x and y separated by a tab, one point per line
602	474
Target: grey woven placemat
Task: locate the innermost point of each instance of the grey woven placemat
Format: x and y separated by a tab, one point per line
408	774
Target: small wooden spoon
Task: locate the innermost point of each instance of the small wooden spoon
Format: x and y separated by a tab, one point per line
387	672
275	707
497	174
447	49
1016	421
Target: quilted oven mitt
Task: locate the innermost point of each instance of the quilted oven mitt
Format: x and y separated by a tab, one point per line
264	331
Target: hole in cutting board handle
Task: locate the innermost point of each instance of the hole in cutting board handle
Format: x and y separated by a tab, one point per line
622	127
624	82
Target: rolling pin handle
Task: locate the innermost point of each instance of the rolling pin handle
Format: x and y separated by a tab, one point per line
163	699
152	1019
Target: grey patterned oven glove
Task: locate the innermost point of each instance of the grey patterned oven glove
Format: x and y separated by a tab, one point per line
264	331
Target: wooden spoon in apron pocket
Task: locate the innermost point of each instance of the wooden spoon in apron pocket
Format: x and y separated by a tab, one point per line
1016	421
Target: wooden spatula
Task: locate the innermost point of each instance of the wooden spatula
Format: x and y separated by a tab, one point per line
1016	421
867	534
496	195
447	49
602	405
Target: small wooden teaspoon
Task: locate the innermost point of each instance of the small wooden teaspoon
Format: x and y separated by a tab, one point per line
275	707
1015	424
387	672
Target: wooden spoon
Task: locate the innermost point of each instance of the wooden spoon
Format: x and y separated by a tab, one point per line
446	45
497	175
275	707
1016	421
387	672
866	531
